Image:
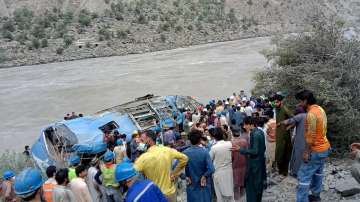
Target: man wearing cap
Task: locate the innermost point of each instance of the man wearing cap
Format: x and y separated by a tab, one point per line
138	190
155	164
107	171
7	186
61	192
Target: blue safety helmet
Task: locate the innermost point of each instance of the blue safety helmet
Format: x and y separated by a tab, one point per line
27	182
74	160
8	174
108	156
119	142
126	160
124	171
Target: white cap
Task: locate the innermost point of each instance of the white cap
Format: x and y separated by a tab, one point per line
232	97
244	99
191	123
205	110
226	102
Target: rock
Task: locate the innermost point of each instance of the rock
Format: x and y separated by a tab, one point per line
348	187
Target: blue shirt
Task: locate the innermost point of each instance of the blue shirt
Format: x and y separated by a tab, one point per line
199	164
144	191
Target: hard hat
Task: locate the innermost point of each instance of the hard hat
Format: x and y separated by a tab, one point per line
119	142
124	171
135	132
27	182
8	174
74	160
126	160
108	156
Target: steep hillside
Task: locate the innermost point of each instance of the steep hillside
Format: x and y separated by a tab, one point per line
41	31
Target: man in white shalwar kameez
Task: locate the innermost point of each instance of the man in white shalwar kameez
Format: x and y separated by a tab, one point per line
223	176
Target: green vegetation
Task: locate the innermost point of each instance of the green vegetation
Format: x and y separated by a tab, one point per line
326	63
84	18
14	161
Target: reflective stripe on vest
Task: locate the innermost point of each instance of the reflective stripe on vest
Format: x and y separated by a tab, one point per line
143	192
48	191
109	176
72	174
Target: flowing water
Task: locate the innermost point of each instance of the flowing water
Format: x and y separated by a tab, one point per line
31	97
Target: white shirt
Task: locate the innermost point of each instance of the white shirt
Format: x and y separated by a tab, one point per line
80	190
248	111
221	155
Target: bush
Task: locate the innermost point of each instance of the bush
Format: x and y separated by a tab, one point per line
35	43
21	38
7	35
38	31
68	17
121	34
44	43
105	33
3	57
9	26
163	38
326	63
178	28
60	51
142	19
68	40
14	161
84	18
23	18
232	17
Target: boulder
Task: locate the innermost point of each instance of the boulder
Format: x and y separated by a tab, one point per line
348	187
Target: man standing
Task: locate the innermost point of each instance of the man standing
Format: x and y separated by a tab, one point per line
198	170
7	186
223	176
138	190
317	147
283	139
239	165
79	187
49	185
299	141
61	193
107	171
256	170
156	164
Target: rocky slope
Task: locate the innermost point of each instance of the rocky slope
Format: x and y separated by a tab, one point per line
60	30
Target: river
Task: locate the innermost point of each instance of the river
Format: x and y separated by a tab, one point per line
31	97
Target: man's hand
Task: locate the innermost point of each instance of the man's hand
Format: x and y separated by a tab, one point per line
173	177
235	148
203	181
188	181
306	156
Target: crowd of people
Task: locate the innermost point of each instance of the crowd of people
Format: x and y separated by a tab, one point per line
224	150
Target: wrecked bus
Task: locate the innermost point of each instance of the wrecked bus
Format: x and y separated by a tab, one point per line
84	135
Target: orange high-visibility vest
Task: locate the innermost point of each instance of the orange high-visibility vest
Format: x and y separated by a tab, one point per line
48	191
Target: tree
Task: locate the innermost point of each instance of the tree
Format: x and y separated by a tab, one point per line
35	43
7	35
44	43
84	18
323	61
9	26
68	40
23	18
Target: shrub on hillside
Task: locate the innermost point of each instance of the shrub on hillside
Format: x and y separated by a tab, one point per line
104	34
326	63
35	44
84	18
7	35
68	40
9	26
44	43
3	57
60	51
21	38
23	18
